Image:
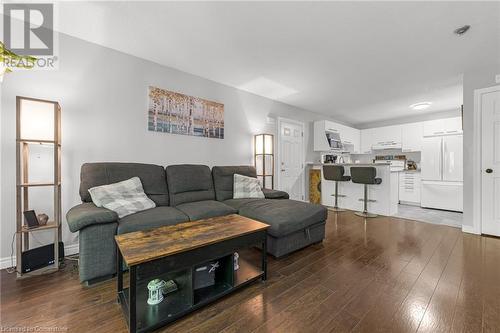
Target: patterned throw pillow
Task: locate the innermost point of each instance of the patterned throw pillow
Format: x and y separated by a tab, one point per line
124	198
246	187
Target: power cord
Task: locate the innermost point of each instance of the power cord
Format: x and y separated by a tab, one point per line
12	268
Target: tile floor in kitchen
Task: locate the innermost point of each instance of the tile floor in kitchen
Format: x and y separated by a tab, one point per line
436	216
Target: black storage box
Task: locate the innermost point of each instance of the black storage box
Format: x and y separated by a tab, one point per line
204	275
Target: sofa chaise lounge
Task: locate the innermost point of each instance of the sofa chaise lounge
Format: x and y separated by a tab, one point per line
183	193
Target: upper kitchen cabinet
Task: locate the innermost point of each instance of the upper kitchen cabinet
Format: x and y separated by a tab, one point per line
321	129
411	135
387	137
443	126
351	138
329	136
366	140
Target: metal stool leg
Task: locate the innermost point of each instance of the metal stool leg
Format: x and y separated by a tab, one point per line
336	207
365	213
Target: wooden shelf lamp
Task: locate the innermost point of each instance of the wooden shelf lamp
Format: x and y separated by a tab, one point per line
264	159
38	122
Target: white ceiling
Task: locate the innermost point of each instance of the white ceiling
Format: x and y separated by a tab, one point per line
358	62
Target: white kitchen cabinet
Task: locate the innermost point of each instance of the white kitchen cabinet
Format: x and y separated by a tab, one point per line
411	137
409	187
387	137
351	138
320	140
366	140
443	126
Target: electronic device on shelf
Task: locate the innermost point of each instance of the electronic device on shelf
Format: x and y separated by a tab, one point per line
328	158
40	257
31	219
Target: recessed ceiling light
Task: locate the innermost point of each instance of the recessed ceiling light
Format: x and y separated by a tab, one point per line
420	106
460	31
267	88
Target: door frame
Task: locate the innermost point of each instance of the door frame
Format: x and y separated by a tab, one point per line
477	166
278	155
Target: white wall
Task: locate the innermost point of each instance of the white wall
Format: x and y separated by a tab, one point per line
103	94
476	79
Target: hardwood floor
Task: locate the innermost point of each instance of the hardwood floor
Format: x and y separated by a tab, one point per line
385	275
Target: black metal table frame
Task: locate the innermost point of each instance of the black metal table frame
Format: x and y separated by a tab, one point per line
182	260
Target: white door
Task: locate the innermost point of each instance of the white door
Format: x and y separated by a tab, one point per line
453	158
490	163
291	159
431	158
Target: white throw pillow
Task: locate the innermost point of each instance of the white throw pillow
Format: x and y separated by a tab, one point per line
124	198
246	187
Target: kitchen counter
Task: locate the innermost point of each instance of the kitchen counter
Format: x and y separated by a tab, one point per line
384	194
348	164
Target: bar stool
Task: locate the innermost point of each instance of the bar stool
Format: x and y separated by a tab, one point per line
335	173
366	176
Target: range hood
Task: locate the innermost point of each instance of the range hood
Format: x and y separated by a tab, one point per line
387	145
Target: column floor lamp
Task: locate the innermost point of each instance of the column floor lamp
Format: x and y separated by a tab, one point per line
38	122
264	159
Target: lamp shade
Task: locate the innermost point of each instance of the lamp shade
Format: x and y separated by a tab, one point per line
264	144
37	120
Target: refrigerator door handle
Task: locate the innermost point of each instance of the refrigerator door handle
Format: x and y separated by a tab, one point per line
445	160
441	162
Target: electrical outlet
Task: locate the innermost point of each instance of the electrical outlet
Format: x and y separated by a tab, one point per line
497	78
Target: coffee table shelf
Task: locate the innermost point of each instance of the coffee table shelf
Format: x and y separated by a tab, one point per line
246	273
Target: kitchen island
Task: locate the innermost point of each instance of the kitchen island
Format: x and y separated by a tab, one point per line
385	194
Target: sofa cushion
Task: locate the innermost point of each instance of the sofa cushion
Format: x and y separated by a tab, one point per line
152	177
124	198
246	187
224	179
275	194
205	209
189	183
150	219
284	216
238	203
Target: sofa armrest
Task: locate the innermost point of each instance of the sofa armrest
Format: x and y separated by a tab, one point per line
87	214
275	194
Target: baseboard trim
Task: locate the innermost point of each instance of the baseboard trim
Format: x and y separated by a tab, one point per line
7	261
470	229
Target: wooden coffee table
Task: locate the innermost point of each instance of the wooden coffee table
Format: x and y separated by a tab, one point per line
174	253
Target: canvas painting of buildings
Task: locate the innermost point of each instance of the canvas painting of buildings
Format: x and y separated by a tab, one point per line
175	113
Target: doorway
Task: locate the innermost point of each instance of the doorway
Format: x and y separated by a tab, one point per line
488	102
291	158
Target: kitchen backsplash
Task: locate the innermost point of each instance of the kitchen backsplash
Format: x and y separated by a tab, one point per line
368	158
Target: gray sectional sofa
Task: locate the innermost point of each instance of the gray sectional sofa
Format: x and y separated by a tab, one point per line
183	193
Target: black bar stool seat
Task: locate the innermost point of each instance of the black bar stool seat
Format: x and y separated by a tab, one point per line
366	176
336	174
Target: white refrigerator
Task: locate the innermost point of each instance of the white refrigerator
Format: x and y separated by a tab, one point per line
442	172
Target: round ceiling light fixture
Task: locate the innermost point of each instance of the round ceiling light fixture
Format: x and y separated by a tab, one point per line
420	106
462	30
